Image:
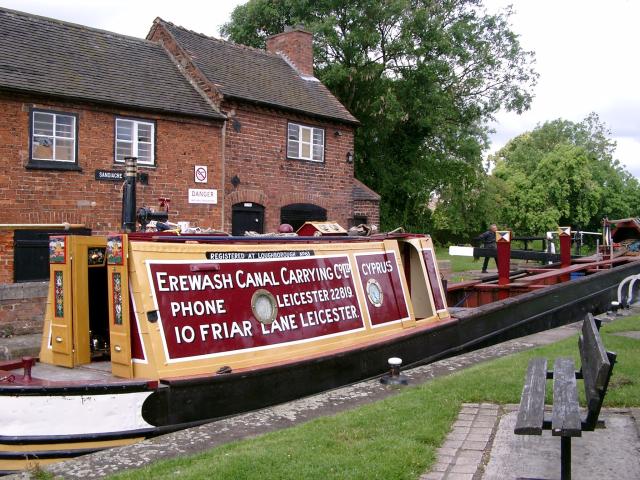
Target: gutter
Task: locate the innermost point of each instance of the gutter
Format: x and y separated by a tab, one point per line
97	102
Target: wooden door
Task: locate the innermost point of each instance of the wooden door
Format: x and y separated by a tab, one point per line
119	321
61	298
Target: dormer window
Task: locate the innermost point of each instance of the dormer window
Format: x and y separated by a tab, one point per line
305	143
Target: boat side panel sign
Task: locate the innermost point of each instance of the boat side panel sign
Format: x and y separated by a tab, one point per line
208	309
380	279
430	262
137	347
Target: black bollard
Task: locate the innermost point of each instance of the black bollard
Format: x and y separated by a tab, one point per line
394	377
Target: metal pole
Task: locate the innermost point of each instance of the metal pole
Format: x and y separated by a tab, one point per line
564	236
565	458
129	195
503	247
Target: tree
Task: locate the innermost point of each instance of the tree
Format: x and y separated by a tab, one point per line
563	173
423	77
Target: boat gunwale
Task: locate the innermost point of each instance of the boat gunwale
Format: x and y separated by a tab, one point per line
234	240
78	387
99	436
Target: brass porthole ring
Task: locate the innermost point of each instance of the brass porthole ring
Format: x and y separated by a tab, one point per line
263	306
374	292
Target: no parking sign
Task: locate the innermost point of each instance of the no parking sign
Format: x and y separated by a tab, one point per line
200	174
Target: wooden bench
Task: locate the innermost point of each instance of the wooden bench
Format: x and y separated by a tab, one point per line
566	422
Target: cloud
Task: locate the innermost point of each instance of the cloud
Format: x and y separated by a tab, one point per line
132	17
628	152
585	52
622	118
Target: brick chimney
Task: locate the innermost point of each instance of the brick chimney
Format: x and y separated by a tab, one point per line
297	44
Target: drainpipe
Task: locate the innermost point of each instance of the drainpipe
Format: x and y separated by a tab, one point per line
223	151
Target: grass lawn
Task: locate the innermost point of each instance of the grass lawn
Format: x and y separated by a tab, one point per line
395	438
462	267
460	264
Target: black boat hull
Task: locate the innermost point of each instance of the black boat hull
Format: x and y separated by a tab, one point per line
204	398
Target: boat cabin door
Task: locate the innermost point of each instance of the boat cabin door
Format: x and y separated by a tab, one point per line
119	326
88	323
78	297
59	308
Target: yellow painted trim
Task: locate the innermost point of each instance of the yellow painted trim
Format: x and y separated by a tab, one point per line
135	272
6	447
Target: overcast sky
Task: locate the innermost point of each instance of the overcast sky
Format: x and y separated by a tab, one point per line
586	53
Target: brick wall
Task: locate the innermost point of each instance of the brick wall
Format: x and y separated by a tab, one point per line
257	154
22	308
297	45
369	209
6	256
48	196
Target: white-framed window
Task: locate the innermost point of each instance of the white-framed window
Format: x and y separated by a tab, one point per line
53	137
135	138
305	143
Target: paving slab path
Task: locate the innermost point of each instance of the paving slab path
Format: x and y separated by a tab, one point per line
482	446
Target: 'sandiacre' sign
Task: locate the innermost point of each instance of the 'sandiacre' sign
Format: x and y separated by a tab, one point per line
118	176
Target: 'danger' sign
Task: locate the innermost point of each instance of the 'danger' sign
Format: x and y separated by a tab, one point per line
208	309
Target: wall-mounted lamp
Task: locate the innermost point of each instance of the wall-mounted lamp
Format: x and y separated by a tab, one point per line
338	133
235	181
349	157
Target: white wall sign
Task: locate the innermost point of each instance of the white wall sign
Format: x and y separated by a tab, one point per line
200	174
203	195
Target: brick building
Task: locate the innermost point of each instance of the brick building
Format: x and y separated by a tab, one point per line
75	101
273	103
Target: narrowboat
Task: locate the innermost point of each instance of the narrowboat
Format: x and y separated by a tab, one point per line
150	332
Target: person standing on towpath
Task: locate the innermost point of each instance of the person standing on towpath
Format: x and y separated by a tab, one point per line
488	240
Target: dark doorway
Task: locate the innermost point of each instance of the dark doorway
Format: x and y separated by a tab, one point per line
298	213
31	252
358	219
247	217
98	312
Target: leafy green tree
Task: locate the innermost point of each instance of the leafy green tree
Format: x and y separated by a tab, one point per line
423	76
562	173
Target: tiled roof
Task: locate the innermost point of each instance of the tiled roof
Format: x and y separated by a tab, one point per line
254	75
362	192
47	56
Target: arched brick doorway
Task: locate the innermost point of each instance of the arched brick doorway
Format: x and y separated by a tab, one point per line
295	214
247	216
